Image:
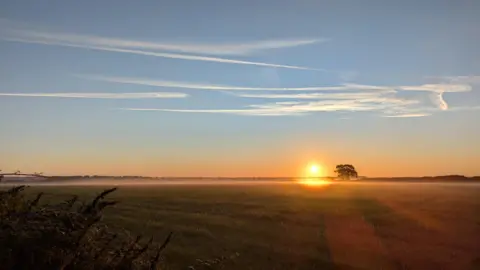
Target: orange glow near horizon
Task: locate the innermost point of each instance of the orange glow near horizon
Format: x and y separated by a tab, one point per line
288	164
313	182
314	170
312	176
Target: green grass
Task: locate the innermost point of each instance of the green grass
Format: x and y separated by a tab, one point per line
282	226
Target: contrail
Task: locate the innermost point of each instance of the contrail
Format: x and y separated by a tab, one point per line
159	54
219	48
187	85
100	95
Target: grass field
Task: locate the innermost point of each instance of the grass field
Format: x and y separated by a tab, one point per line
290	226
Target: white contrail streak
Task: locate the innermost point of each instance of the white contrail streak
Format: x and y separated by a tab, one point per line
237	48
407	115
310	95
100	95
258	112
158	54
187	85
437	87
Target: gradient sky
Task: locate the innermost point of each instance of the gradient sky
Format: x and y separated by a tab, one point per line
240	88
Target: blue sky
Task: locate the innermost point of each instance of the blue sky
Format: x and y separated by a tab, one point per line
239	88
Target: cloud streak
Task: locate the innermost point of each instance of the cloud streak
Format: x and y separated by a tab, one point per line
379	99
438	88
437	98
378	103
125	46
354	95
202	86
257	112
434	88
408	115
344	97
437	91
100	95
238	48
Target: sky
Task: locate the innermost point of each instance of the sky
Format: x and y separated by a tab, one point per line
240	88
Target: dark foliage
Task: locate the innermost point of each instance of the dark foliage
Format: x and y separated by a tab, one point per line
67	236
345	171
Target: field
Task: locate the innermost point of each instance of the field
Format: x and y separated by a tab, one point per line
291	226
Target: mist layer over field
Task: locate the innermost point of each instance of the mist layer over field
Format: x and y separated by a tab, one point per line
200	181
155	182
281	224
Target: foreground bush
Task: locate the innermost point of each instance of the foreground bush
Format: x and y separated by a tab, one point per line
66	236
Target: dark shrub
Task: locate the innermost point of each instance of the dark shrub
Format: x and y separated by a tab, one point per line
67	235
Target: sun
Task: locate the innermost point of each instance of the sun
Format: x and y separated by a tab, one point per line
314	169
313	176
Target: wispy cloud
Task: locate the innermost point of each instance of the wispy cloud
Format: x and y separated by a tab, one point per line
407	115
437	98
300	108
439	88
348	95
100	95
421	110
437	91
343	97
384	100
223	48
203	86
258	112
137	47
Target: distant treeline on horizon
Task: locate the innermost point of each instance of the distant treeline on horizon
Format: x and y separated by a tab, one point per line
361	178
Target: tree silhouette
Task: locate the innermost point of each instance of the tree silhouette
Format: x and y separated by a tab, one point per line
345	171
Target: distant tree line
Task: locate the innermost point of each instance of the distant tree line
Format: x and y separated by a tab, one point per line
18	173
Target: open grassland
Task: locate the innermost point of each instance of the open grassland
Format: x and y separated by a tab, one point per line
289	226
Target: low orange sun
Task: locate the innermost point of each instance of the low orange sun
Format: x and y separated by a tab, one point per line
312	176
314	170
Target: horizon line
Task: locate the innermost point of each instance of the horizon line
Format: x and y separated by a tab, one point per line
236	177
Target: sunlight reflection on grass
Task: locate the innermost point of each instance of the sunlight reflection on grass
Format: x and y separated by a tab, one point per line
314	182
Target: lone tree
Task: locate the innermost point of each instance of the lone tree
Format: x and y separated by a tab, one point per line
345	171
